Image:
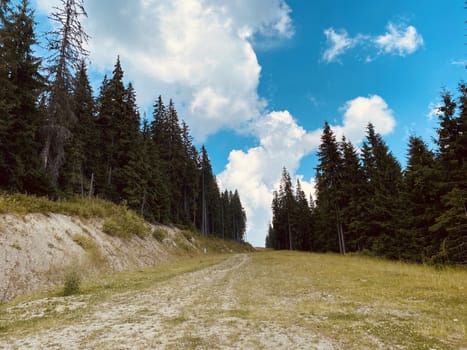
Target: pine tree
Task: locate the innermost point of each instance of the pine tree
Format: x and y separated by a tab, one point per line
66	43
328	214
209	213
284	209
111	126
420	202
302	220
378	221
167	135
451	225
155	205
130	173
176	161
78	171
21	85
350	194
190	177
238	217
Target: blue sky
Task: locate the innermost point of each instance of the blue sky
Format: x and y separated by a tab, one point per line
256	79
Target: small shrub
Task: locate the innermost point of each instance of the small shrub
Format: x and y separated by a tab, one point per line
16	246
188	234
72	282
125	224
83	241
159	234
90	246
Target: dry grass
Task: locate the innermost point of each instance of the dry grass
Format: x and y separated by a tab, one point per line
119	220
361	302
264	300
48	308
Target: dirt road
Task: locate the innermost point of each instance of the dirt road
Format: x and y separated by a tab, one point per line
197	310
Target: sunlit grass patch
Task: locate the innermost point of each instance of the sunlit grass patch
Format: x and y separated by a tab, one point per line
358	301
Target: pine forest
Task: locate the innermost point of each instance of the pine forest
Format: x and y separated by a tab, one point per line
57	139
367	203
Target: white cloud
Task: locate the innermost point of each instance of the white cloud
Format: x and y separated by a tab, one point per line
361	111
337	44
399	40
198	52
459	62
256	172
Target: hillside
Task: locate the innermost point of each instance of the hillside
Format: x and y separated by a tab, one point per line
41	240
266	300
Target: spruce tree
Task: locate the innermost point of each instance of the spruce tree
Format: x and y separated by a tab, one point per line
209	213
155	205
111	126
451	225
78	171
66	44
302	220
284	209
328	185
190	177
20	118
378	221
350	194
130	178
420	203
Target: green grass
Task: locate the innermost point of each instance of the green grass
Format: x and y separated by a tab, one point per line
90	246
119	220
355	302
362	302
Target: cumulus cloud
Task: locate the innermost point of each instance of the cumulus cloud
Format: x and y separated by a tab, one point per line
361	111
256	172
198	52
337	44
399	40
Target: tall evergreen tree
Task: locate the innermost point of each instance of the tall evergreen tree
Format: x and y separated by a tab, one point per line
283	206
78	171
451	224
420	203
129	173
350	193
167	135
111	126
66	43
328	185
209	213
238	217
21	85
189	177
155	205
302	220
378	221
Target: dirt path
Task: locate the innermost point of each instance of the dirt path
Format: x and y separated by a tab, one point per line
198	310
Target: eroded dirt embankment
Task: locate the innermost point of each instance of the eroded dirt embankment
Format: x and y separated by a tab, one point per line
36	250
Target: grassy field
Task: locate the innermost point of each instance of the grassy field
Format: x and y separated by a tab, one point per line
361	302
280	300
